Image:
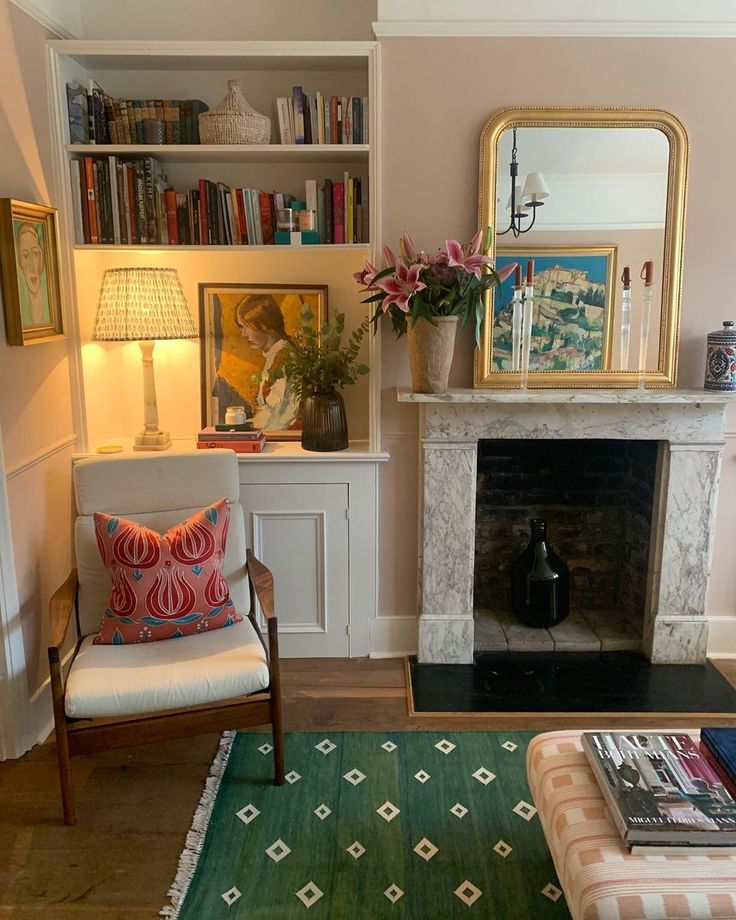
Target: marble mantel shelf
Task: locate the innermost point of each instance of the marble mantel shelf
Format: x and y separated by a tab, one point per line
594	397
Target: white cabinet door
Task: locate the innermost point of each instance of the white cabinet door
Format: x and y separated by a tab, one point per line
300	531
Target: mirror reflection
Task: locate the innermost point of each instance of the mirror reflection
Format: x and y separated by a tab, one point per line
581	203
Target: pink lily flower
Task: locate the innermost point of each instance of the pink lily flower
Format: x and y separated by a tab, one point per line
388	257
406	246
470	262
365	278
503	273
401	286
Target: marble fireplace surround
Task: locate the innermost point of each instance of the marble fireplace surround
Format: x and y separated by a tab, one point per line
690	422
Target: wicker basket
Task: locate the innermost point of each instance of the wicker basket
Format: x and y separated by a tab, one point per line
234	121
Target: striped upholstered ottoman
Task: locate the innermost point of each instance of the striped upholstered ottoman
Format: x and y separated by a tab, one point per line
600	878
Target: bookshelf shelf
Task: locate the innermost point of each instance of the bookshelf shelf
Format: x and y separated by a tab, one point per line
97	247
230	153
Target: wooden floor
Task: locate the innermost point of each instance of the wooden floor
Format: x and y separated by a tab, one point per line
135	806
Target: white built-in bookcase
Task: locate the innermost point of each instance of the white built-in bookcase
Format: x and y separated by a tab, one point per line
200	70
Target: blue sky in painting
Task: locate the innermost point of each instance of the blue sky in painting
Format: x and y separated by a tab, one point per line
594	265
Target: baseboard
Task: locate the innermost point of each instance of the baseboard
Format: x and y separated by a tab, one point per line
393	637
722	637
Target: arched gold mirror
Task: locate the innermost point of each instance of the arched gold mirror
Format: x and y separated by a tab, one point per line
593	191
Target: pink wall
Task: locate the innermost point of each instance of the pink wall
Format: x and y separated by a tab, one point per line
437	94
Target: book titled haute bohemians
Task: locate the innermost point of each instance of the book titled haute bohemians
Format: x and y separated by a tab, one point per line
660	790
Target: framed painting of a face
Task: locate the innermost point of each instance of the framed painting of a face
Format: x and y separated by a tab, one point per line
244	330
29	260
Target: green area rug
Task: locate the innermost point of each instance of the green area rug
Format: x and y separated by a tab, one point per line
369	825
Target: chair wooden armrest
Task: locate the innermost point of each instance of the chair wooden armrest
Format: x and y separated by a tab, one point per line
261	586
61	608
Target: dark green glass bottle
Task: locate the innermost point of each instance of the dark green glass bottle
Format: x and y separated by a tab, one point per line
540	582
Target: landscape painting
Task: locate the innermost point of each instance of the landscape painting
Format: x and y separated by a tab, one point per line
573	308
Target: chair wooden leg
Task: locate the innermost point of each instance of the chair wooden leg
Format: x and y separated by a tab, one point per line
277	732
62	739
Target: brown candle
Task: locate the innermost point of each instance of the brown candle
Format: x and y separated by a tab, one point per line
517	275
530	271
626	277
647	273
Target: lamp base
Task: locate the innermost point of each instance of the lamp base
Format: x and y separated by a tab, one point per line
152	440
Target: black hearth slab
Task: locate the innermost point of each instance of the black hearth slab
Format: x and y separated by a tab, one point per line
569	682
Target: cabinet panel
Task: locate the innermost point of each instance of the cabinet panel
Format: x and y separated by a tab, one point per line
301	533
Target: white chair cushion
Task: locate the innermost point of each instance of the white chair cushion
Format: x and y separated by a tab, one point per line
115	680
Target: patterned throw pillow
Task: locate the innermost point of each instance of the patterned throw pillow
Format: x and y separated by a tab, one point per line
165	586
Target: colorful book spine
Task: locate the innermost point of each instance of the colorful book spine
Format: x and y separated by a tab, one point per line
338	212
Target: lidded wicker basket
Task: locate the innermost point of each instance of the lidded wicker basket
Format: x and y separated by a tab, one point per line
234	121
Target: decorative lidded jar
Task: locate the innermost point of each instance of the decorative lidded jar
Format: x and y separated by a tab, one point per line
720	359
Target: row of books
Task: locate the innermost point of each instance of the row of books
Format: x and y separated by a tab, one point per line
322	119
664	791
242	442
128	201
97	118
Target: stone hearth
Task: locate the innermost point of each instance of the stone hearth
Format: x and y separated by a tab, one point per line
688	422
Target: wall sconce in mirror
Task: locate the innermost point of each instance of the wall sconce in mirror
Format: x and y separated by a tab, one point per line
521	200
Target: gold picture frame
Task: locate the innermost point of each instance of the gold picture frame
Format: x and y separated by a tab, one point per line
29	262
484	375
597	261
243	328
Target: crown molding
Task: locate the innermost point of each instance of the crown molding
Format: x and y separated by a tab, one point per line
62	17
554	29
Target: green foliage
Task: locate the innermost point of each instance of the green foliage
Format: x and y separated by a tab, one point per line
316	361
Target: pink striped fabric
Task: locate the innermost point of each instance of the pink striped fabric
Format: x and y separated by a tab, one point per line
600	878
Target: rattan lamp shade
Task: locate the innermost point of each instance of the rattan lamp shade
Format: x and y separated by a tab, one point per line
142	304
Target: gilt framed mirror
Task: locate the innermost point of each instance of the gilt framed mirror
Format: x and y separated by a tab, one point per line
594	191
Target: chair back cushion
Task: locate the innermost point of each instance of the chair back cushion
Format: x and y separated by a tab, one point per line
164	586
158	491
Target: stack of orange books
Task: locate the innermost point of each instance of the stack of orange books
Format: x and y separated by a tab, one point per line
242	442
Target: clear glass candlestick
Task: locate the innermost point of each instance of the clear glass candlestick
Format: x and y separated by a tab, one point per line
516	325
625	328
644	339
526	335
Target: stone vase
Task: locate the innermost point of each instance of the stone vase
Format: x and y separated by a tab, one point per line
430	353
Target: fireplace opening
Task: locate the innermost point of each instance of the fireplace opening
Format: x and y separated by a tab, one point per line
597	497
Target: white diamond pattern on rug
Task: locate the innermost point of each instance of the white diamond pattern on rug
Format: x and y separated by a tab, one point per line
468	893
354	777
388	811
248	813
393	893
509	746
552	892
484	776
459	810
309	894
422	776
322	811
265	748
426	849
325	747
230	896
356	849
502	848
388	746
278	850
445	746
292	777
524	810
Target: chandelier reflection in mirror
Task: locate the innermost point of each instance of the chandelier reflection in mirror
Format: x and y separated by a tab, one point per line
521	201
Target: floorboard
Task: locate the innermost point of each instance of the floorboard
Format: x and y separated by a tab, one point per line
135	806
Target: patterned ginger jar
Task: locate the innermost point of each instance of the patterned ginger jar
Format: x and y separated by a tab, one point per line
720	360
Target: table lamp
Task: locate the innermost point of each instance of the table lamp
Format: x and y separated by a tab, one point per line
143	305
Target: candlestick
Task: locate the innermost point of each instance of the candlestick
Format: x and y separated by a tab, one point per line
526	335
647	275
516	321
625	318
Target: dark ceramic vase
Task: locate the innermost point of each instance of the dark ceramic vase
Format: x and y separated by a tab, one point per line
324	423
540	582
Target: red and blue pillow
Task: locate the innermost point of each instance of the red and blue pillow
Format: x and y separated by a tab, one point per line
165	586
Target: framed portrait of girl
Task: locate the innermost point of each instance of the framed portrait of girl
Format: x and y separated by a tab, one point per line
29	259
245	329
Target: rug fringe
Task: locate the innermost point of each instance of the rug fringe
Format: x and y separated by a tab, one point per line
195	838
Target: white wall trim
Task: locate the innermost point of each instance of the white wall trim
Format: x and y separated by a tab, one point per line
581	29
62	17
40	456
393	637
722	636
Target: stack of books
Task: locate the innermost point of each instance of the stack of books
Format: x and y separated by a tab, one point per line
242	442
665	793
321	119
128	201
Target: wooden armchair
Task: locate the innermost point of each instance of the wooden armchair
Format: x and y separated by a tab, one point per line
119	696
